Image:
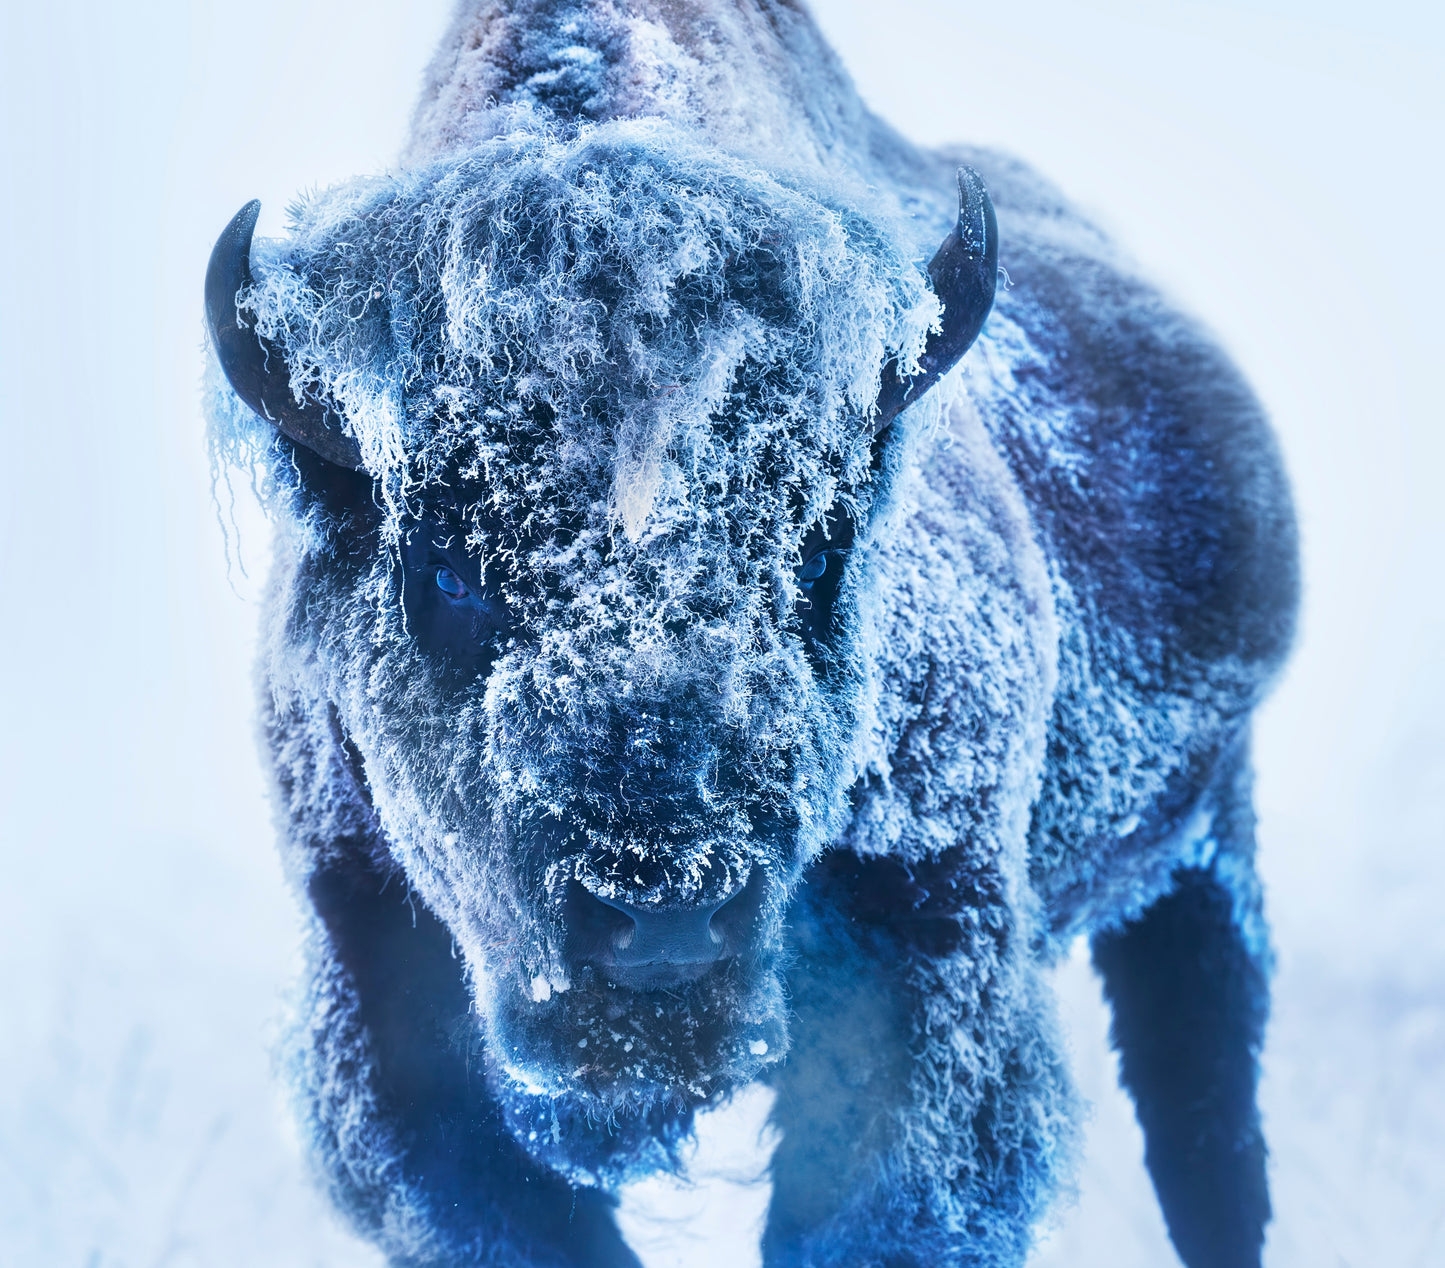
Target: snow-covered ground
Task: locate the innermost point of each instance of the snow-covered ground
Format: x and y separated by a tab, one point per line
1276	163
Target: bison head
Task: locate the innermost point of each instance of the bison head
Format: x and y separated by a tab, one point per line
579	443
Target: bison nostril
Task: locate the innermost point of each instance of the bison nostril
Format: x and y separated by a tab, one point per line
732	923
595	930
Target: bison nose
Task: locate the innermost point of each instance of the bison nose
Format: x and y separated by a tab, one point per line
644	947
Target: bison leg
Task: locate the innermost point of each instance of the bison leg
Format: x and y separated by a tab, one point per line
923	1108
414	1146
1189	996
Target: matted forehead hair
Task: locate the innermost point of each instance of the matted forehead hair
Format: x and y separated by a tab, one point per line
602	312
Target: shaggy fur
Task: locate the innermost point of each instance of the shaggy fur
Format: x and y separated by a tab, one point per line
616	331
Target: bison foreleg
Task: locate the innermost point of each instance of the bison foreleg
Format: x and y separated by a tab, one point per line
1189	995
923	1107
413	1143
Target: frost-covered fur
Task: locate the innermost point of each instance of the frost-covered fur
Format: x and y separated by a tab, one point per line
617	327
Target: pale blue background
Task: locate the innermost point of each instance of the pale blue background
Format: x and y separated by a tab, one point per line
1275	164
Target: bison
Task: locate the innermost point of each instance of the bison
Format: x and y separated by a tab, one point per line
684	667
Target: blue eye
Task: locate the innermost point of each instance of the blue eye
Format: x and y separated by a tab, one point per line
813	569
450	584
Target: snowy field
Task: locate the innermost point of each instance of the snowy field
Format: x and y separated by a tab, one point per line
1275	163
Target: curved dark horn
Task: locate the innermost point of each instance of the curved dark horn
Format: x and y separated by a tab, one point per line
964	273
255	366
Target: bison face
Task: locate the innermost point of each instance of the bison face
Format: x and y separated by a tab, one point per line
605	764
593	610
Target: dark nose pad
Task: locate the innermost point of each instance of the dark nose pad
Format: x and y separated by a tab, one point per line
650	946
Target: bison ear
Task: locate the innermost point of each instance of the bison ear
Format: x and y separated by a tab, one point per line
254	366
964	274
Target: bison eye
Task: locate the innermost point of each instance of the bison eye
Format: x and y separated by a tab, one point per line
450	584
813	570
818	580
824	555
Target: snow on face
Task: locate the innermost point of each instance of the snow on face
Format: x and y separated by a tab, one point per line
629	377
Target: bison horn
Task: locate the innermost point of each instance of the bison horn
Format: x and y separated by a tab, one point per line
964	273
254	366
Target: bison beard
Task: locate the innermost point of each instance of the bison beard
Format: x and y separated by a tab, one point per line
674	677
